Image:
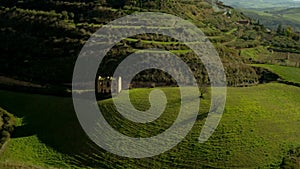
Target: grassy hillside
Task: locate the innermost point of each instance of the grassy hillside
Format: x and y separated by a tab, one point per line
40	41
259	126
41	124
48	36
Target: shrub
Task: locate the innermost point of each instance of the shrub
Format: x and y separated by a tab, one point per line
7	127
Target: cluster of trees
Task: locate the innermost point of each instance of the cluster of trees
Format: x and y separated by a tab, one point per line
39	45
237	72
42	42
287	31
284	39
152	4
7	126
285	44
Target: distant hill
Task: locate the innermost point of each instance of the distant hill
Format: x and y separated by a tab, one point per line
272	17
270	13
259	4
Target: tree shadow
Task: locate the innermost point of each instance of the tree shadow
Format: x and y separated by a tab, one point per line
202	116
22	131
53	120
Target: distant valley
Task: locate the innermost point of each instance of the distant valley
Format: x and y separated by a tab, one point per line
270	13
261	4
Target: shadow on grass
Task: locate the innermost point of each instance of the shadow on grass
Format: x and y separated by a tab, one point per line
22	131
54	121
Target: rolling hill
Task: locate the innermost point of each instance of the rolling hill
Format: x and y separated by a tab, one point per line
257	130
41	40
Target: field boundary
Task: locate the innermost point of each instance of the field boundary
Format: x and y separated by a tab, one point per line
289	83
281	77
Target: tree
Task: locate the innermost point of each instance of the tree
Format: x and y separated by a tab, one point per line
289	31
203	90
279	29
65	15
116	3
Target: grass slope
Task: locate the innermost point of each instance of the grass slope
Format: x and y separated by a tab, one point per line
258	127
40	126
291	74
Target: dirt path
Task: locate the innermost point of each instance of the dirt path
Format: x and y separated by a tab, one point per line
14	82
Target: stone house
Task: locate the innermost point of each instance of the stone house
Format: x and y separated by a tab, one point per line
107	84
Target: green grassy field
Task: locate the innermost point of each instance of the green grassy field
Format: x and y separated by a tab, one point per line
43	130
259	126
291	74
257	53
